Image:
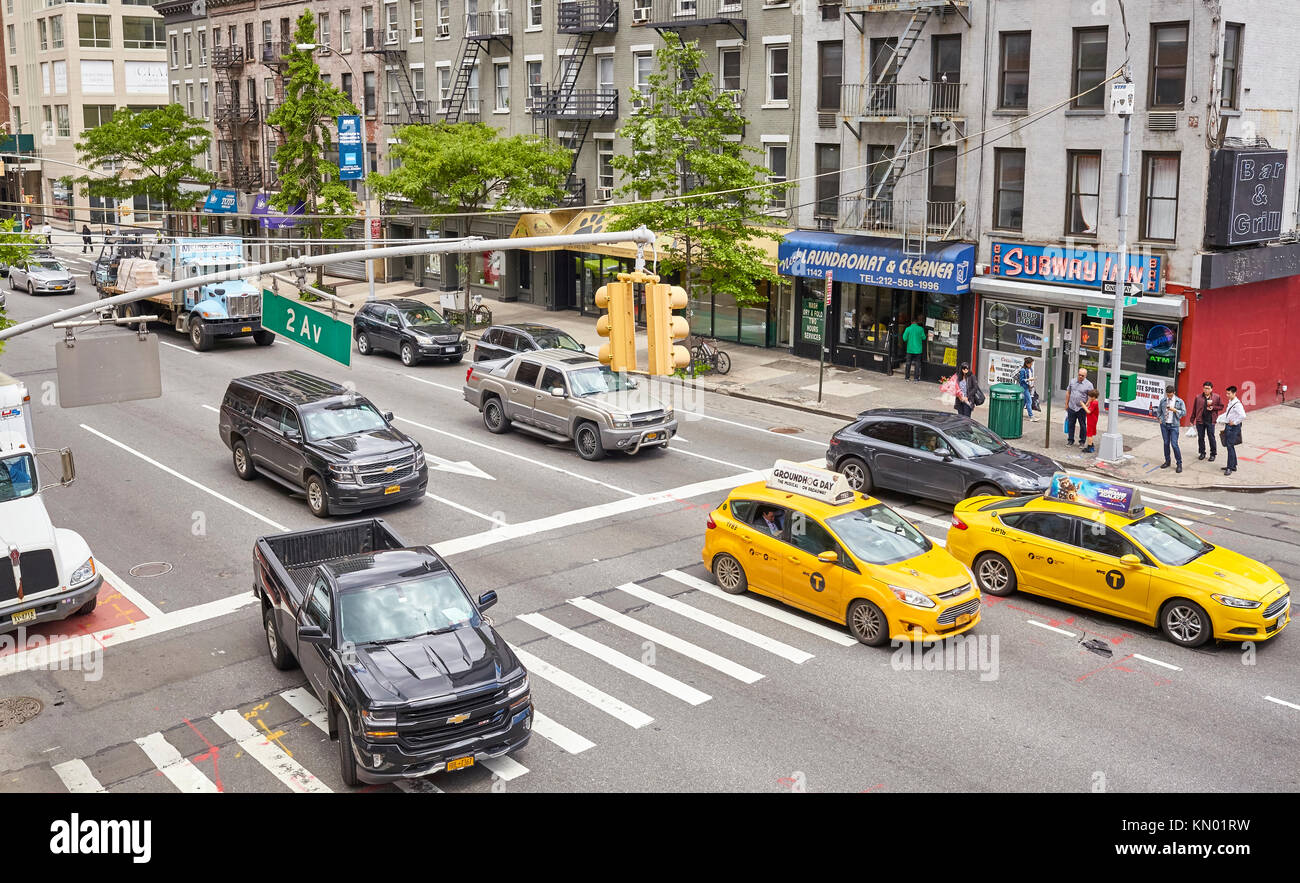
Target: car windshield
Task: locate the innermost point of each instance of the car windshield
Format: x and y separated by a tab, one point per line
973	440
396	612
339	420
556	340
878	535
590	381
1167	540
423	316
16	478
52	266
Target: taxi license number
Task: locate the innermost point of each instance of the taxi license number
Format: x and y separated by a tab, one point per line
23	616
460	763
392	488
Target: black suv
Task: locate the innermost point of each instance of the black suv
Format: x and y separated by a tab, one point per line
314	435
413	330
503	341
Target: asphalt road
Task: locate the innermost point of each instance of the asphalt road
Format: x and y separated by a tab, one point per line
756	698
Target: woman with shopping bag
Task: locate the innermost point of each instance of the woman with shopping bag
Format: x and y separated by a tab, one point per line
968	393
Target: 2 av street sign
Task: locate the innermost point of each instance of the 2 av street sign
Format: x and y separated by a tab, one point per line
1100	313
1130	289
294	320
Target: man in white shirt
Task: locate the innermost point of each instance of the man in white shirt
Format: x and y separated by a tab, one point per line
1232	418
1170	412
48	232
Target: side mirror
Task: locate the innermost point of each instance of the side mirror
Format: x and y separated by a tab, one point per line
311	634
388	416
395	323
557	391
293	434
486	600
1130	560
944	453
830	556
69	467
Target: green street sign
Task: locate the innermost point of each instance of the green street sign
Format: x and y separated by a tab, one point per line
1101	313
1130	301
295	321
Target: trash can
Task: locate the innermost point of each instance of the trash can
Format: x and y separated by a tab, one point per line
1006	409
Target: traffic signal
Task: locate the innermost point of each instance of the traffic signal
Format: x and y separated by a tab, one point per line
1092	337
618	324
663	328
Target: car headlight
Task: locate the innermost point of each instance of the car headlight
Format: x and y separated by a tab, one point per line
620	421
1230	601
83	573
379	723
462	338
911	596
419	451
668	414
518	687
346	474
1023	481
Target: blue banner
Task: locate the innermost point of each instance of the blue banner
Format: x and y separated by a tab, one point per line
869	260
350	149
221	202
1072	266
273	220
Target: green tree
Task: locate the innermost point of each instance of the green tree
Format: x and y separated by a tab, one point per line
15	248
304	120
157	148
684	139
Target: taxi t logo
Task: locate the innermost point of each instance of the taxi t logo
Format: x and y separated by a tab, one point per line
1114	578
817	581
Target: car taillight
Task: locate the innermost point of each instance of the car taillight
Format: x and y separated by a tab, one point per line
709	523
958	523
469	372
834	440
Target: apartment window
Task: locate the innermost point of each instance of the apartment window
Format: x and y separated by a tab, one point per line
49	119
778	74
417	19
830	73
45	78
605	163
147	33
501	74
216	41
534	13
1168	64
93	115
880	157
605	74
729	66
13	78
444	89
372	157
390	23
1089	67
56	32
65	126
1231	66
223	155
189	49
325	36
471	93
417	86
345	30
394	100
176	93
189	98
534	71
828	180
1008	189
368	27
642	66
1159	195
253	153
203	48
1083	194
10	43
266	38
205	99
45	33
943	180
1013	87
368	89
92	32
777	155
346	85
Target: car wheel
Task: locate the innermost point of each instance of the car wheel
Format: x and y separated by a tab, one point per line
13	286
409	357
1185	623
281	658
587	442
994	574
88	607
244	467
857	474
363	344
263	338
31	289
347	759
729	575
199	338
317	502
868	623
494	417
981	490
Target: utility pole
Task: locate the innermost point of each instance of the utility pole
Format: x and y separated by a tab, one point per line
1122	100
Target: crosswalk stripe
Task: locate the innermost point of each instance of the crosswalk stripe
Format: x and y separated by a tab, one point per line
268	754
726	626
1166	495
561	735
622	662
1170	504
308	706
78	778
584	691
666	639
172	764
507	768
780	614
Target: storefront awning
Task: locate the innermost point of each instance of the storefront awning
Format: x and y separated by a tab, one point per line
872	260
1167	308
221	202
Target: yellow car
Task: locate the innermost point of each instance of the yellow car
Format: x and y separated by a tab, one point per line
1093	543
805	538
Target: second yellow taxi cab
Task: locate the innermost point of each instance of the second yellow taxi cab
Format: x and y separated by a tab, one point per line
1094	544
805	538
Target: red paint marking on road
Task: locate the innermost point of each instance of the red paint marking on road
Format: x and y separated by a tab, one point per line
869	790
112	610
1112	665
213	753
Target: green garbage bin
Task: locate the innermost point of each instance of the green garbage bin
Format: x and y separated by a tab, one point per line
1006	409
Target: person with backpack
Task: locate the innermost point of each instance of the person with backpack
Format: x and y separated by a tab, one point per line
1025	377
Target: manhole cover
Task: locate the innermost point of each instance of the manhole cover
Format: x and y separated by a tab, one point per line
151	568
15	710
785	430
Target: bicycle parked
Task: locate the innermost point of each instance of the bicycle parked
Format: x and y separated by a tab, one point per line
705	350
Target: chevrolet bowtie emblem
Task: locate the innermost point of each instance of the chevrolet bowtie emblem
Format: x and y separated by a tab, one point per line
390	469
458	719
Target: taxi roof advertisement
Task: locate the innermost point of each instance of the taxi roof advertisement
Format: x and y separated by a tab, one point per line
809	481
1091	492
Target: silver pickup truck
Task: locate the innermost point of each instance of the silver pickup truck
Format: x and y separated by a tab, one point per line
561	396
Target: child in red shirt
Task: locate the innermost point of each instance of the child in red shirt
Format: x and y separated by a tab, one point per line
1093	410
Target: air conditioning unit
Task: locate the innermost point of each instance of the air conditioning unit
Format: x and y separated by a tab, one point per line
640	14
604	194
444	30
323	50
1162	121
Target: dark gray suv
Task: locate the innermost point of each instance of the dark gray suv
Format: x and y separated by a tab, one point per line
938	455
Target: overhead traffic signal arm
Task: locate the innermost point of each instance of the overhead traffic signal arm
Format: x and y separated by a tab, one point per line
618	324
663	329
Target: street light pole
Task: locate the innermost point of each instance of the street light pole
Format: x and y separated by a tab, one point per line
1122	100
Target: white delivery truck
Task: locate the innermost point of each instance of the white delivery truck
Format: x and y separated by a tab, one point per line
46	572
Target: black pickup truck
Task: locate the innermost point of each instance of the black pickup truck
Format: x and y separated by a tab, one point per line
414	679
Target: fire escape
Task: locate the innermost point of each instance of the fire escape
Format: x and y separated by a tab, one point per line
481	29
232	116
390	45
574	110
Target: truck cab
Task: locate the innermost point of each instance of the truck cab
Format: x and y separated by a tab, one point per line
230	308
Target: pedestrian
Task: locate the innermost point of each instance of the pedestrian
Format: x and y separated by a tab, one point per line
48	232
1075	400
969	394
1231	418
1206	408
914	337
1025	377
1170	412
1093	410
85	238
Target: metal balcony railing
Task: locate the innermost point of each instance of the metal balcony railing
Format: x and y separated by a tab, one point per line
686	13
276	52
890	215
904	5
586	16
249	113
225	57
416	109
384	39
486	25
575	192
473	107
578	104
248	178
896	101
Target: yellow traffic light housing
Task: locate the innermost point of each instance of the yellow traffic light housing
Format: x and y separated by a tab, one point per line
1092	337
663	328
618	324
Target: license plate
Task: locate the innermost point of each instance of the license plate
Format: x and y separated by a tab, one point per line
651	436
246	329
23	616
57	287
392	488
449	349
963	619
460	763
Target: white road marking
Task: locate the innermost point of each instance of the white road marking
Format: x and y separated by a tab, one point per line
185	478
460	467
919	516
680	439
667	639
752	604
268	754
1283	702
78	778
185	349
1166	495
172	764
726	626
212	409
456	389
306	704
713	460
146	606
1156	662
465	509
561	735
584	691
1052	628
507	768
1170	504
623	663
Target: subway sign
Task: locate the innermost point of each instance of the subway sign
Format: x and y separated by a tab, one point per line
1085	267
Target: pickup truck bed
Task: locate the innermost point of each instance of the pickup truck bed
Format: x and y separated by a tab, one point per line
296	555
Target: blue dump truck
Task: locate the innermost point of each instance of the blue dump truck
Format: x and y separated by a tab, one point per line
231	308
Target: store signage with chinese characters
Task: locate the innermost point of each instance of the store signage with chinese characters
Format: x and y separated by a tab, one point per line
1244	199
1072	266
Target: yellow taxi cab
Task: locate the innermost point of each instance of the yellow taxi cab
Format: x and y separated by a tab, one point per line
1094	544
805	538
